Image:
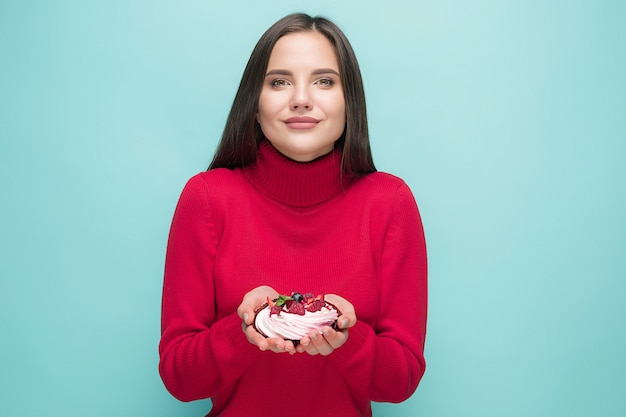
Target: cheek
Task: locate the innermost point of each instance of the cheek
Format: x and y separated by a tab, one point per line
263	113
338	105
268	107
337	115
339	111
262	106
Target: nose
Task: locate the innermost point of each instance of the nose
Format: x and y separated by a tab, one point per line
301	98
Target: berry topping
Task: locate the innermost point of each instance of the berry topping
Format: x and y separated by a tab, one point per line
296	308
316	305
275	310
297	303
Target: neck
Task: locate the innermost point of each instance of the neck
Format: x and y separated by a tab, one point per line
299	184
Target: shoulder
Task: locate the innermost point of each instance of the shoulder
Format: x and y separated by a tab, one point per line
217	177
207	195
212	187
384	178
385	194
217	180
383	185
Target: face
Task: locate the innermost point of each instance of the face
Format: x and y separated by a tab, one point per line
302	110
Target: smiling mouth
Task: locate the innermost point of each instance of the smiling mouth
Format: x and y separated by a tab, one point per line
301	122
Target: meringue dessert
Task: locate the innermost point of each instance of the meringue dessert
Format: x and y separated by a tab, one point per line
295	316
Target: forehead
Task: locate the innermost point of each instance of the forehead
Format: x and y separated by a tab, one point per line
303	49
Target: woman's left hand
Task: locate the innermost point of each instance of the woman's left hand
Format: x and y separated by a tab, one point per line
329	339
251	301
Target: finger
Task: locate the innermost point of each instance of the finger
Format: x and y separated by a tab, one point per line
246	313
341	303
348	315
304	343
311	349
320	343
307	344
335	338
345	321
255	337
277	344
289	347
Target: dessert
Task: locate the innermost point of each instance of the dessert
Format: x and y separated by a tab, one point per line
292	317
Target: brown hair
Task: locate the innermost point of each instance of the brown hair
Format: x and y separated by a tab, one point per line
242	135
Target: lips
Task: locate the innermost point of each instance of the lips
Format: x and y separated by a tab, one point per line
301	122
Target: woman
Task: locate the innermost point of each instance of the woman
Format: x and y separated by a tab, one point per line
292	201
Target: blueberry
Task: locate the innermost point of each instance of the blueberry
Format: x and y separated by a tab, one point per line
297	297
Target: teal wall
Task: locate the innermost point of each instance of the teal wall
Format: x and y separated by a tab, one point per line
506	118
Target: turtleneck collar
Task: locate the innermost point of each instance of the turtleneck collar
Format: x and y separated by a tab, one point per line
299	184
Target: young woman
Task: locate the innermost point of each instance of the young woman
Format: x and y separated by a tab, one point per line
292	202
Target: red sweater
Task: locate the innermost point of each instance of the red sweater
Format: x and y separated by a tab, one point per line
293	226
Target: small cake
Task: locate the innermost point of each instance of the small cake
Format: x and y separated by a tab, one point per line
292	317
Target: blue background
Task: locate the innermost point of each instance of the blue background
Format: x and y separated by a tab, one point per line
506	118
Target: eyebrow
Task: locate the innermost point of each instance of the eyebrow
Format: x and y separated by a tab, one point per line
315	72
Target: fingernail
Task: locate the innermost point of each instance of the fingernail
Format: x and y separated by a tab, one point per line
326	332
245	317
344	323
314	336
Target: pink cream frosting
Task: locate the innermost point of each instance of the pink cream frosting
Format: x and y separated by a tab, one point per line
293	326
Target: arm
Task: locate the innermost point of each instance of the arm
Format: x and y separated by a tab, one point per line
386	363
199	355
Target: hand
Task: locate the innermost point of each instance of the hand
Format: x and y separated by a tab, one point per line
329	339
251	301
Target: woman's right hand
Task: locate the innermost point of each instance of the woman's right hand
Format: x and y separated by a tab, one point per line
246	310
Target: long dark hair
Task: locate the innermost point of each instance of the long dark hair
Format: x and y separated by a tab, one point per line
242	135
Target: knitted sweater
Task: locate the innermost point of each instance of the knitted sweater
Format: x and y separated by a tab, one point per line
293	226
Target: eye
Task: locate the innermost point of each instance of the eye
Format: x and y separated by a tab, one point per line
325	82
279	83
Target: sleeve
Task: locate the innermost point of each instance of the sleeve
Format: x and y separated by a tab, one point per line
199	355
385	363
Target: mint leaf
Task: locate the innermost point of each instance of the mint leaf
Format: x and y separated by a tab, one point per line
282	299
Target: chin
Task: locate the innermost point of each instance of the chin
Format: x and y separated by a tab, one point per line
301	153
